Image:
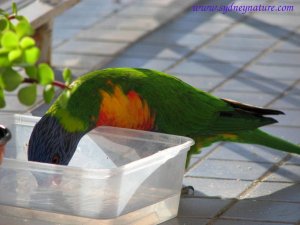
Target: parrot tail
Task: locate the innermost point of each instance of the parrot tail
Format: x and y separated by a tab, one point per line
261	138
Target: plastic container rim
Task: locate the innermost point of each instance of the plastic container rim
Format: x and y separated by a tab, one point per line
156	158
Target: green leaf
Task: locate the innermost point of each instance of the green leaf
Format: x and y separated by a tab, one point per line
4	51
27	42
1	82
31	55
45	74
4	62
49	93
27	95
31	71
11	79
10	25
14	8
67	75
64	98
24	28
14	55
3	12
2	98
3	24
9	40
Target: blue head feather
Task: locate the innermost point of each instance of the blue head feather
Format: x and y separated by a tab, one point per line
51	143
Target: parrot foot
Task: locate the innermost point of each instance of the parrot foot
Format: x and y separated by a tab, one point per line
187	190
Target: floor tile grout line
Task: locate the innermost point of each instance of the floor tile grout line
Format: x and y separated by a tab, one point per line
282	94
253	220
247	180
240	161
218	61
293	164
249	189
72	52
127	56
220	198
254	91
223	178
274	168
95	40
280	64
148	32
238	219
214	37
111	14
242	180
151	31
254	60
205	43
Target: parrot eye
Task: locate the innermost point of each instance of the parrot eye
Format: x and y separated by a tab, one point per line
55	159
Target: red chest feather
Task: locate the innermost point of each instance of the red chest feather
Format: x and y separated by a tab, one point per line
125	110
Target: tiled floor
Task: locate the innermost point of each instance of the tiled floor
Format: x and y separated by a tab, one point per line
253	58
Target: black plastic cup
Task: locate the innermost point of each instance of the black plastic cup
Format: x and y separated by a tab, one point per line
5	136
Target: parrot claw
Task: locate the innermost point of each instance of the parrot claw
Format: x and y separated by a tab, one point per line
187	190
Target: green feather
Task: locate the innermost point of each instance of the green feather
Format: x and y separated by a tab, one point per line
262	138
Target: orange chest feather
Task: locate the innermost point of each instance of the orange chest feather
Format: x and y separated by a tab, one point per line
125	110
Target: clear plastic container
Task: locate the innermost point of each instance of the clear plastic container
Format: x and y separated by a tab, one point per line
116	176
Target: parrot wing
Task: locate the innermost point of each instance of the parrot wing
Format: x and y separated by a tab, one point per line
185	110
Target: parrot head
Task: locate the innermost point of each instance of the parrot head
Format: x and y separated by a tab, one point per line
52	143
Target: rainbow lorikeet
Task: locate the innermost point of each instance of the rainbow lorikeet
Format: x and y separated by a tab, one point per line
147	100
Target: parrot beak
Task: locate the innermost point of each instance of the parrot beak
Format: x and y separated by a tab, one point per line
5	136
